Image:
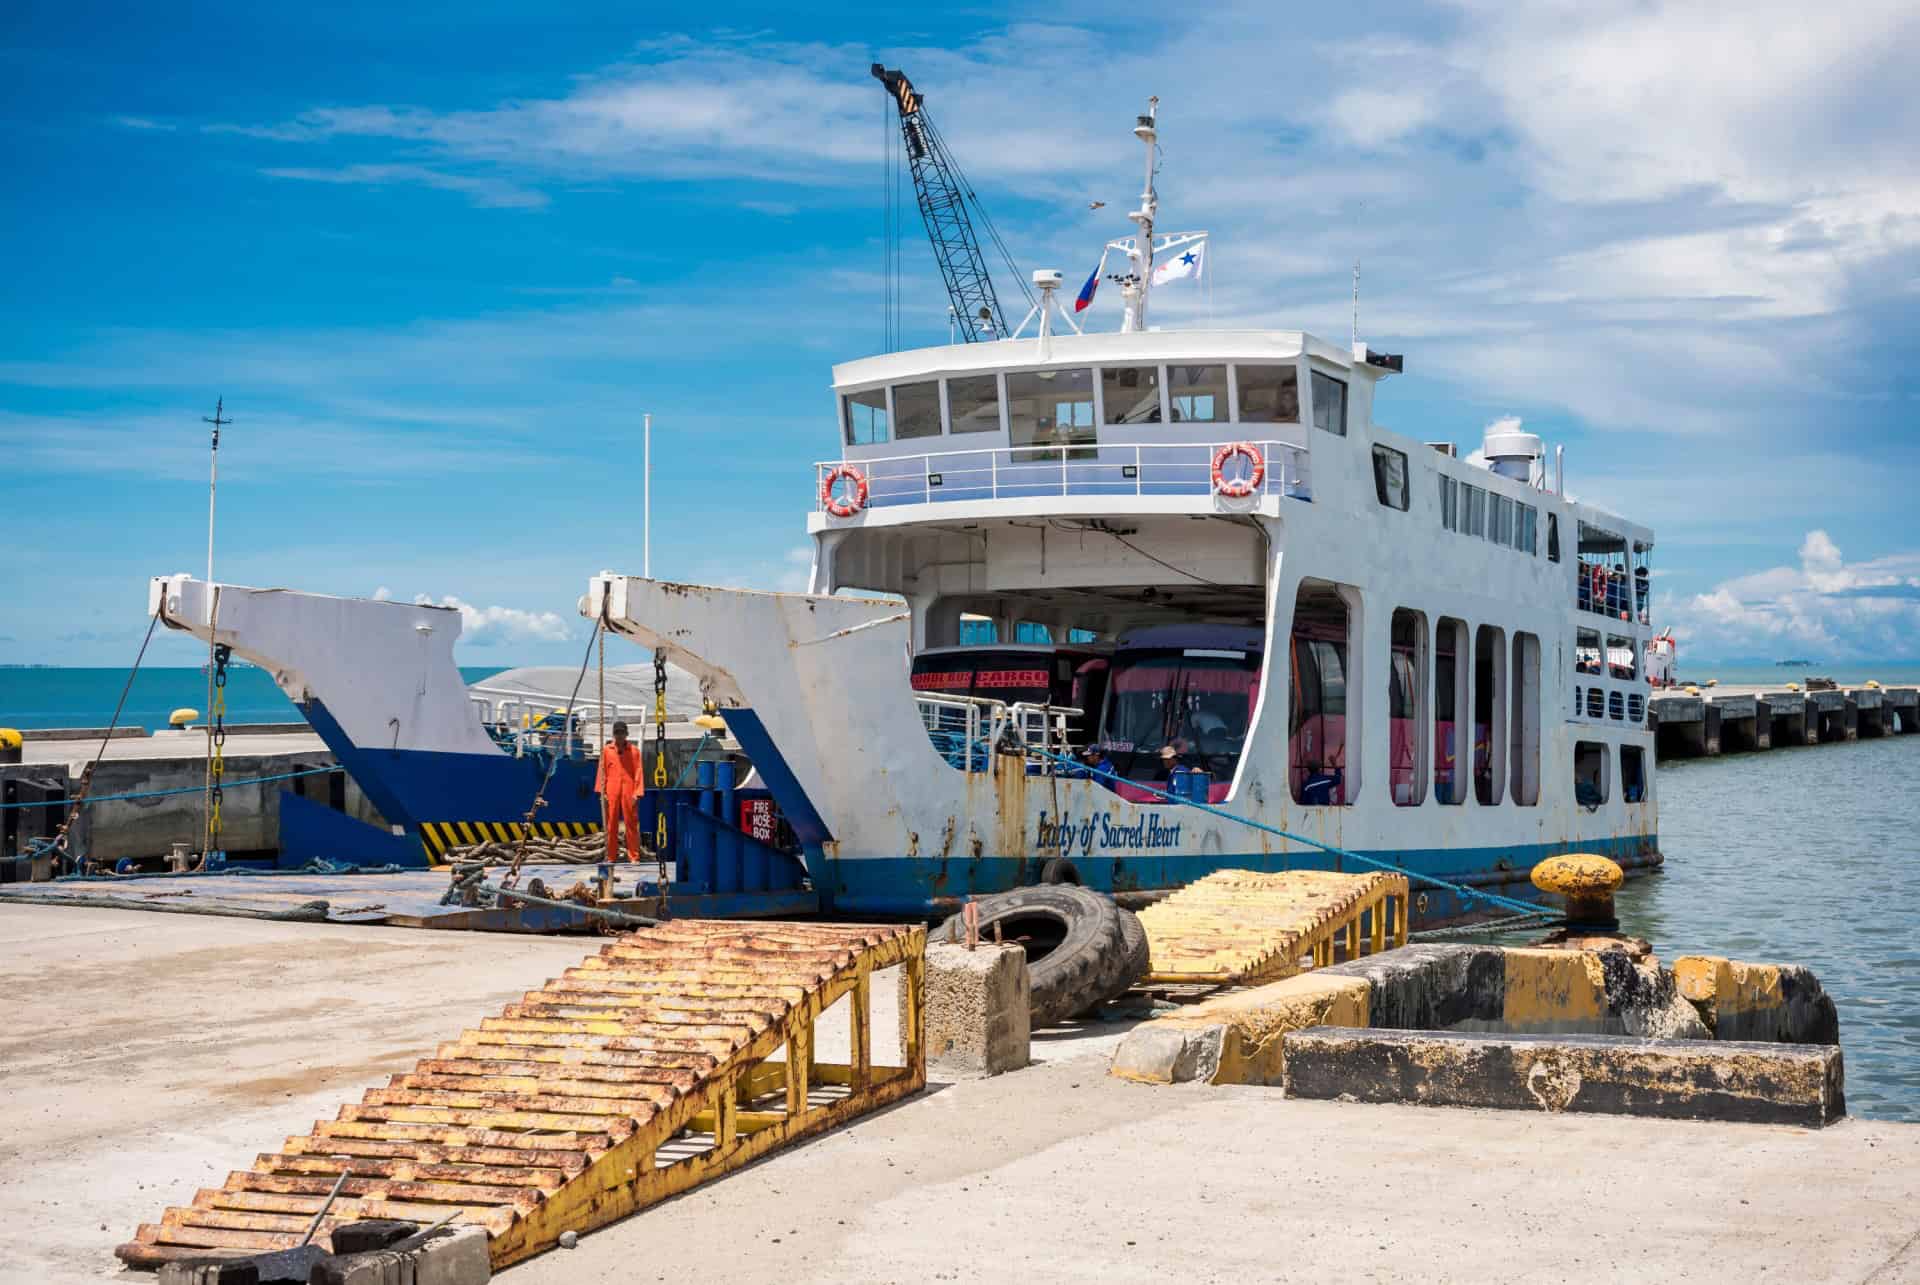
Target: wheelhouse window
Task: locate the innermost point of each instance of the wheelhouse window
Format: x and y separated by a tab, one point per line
1317	721
1449	695
1197	394
973	404
1049	409
1268	394
1553	537
1130	394
1407	708
916	410
1329	403
1390	477
864	417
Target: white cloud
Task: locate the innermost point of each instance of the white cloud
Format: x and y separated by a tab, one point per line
484	626
143	123
1841	610
483	191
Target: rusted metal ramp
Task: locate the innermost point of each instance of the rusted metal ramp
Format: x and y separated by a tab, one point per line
673	1055
1242	927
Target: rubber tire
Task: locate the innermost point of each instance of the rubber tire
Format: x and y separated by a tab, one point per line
1130	964
1072	977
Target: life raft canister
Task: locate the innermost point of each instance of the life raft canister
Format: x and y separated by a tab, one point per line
1239	488
844	507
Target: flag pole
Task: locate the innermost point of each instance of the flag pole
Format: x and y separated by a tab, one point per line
646	501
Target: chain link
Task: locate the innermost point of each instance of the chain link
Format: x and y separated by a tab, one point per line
217	763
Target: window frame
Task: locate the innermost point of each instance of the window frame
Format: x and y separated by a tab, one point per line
1233	384
1523	706
1101	416
1314	406
999	424
1422	696
1406	480
847	404
939	409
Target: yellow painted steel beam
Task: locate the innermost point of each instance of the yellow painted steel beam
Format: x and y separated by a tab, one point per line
676	1054
1243	926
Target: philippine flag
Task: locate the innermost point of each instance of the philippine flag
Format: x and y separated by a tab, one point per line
1189	261
1085	299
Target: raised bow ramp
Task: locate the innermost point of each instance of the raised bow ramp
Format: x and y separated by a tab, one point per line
1244	927
673	1055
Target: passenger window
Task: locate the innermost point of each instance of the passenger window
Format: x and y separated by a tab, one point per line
1525	739
1329	404
1621	662
973	404
1586	652
1390	477
1449	503
1317	722
1130	394
1268	394
1633	774
1197	394
1407	708
1489	714
865	417
1589	773
1449	691
1553	537
916	410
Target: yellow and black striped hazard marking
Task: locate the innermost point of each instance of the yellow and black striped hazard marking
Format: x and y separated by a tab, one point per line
441	835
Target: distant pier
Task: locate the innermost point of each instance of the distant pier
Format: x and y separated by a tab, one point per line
1715	720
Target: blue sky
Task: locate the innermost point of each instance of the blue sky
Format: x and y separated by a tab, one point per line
439	259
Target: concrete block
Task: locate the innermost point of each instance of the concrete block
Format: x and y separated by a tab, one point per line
1236	1038
978	1009
369	1234
209	1271
1600	1074
1427	987
1773	1002
451	1256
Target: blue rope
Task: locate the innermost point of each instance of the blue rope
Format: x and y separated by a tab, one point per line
1459	889
695	760
185	789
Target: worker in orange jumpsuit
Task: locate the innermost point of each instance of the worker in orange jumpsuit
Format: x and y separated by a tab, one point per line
619	784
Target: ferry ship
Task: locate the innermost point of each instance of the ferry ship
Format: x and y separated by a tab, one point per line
1235	622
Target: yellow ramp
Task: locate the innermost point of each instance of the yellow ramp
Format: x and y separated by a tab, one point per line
673	1055
1243	927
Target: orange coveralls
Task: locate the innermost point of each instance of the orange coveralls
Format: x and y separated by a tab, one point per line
620	785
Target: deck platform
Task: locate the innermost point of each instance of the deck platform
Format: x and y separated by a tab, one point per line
1714	720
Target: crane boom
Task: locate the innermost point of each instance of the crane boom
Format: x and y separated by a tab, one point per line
943	196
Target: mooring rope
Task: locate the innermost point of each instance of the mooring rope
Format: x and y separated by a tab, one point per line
89	801
1458	889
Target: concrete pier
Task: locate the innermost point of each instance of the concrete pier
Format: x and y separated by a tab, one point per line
1746	719
125	1095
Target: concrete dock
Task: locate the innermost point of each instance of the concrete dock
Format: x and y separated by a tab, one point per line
121	1097
1707	721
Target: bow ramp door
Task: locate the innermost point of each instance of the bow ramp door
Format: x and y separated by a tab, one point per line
673	1055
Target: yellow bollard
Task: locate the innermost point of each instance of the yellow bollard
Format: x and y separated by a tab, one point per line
1588	882
182	717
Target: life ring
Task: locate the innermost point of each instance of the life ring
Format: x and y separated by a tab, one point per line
844	508
1239	488
1597	589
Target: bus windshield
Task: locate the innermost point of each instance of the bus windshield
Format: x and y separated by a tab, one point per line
1198	701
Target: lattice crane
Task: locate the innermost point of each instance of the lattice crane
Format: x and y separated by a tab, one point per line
944	196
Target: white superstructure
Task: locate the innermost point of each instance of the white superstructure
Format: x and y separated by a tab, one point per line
1240	585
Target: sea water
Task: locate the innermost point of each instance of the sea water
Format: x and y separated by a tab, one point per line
59	697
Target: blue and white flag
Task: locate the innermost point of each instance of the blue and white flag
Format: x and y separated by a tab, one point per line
1188	261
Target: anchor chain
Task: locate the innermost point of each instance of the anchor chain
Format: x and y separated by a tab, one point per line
660	775
217	760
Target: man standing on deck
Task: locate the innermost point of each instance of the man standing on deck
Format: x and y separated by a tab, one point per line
620	785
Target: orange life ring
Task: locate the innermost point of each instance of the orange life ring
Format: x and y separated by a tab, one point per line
1239	488
1598	587
838	507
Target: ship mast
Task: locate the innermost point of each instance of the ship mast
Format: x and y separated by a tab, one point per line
1134	291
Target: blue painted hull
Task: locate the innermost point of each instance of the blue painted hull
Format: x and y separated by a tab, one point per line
924	885
449	799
